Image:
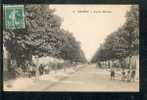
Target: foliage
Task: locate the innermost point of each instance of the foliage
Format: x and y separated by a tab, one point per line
122	43
71	49
42	36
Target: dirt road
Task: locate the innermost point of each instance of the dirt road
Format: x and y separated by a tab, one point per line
90	78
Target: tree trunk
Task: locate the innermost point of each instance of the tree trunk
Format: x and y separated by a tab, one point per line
129	62
10	67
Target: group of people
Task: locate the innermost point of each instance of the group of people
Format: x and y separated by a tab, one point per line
126	68
41	69
125	75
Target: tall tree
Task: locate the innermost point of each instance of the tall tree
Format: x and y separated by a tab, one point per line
40	37
71	49
122	43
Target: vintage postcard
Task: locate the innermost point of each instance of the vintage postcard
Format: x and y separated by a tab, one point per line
92	48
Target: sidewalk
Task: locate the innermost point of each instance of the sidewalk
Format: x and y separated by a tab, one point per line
38	83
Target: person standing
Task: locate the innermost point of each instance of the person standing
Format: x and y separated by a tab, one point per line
128	76
133	76
123	75
112	74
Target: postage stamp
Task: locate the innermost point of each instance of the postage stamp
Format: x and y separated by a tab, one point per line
14	16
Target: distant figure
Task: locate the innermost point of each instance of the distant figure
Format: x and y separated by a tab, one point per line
112	74
98	65
123	77
46	69
132	76
41	68
128	76
31	70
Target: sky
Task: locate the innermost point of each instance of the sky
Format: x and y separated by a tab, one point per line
91	24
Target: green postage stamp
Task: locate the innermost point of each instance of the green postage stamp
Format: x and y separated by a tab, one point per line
14	16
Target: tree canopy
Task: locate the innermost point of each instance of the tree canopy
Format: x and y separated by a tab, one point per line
42	36
123	42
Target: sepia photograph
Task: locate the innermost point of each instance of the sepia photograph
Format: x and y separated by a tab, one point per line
87	48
